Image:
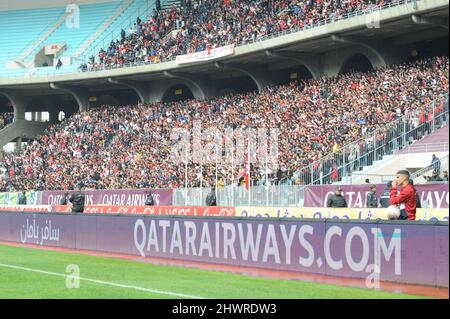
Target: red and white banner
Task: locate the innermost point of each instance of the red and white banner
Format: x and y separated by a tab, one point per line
26	208
206	55
153	210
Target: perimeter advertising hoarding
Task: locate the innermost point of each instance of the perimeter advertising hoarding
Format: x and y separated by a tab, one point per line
26	208
153	210
12	198
422	214
431	195
119	197
415	253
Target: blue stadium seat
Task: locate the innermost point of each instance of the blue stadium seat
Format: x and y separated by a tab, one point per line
18	34
113	31
92	16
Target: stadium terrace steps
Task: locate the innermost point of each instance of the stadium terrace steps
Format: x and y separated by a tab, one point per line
434	142
359	177
413	158
92	17
49	28
21	128
137	8
17	35
119	11
385	169
427	171
37	44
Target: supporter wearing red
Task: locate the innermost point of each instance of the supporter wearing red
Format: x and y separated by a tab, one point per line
406	199
105	146
211	23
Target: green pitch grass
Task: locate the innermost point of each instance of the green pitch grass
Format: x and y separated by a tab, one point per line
34	273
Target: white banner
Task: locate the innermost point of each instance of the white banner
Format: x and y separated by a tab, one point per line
206	55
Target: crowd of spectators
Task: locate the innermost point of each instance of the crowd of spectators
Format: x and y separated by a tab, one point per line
5	119
129	146
200	25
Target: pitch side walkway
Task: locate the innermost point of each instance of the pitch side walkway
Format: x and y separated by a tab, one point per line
440	293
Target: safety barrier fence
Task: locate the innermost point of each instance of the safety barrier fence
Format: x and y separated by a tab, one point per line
431	195
389	139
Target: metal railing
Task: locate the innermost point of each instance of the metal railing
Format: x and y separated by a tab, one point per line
370	10
143	12
430	168
390	138
429	147
319	23
232	195
373	178
12	56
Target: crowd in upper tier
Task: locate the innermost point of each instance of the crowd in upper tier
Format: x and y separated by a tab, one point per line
129	146
207	24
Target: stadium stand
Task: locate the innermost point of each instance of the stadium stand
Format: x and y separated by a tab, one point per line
120	119
103	37
206	24
99	24
111	147
92	16
18	35
382	167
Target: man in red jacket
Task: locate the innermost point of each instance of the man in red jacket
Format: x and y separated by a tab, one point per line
406	199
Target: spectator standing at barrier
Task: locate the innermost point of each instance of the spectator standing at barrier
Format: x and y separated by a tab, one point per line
77	199
149	200
372	201
406	199
63	200
337	200
445	176
385	198
211	198
436	164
